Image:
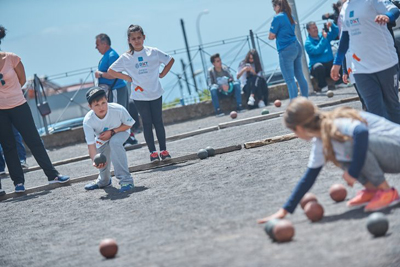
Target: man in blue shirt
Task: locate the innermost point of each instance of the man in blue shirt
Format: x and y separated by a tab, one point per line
318	47
116	88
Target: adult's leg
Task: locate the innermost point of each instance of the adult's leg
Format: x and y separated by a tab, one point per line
145	112
318	71
123	96
369	88
390	91
20	146
119	158
7	141
286	62
364	107
298	72
214	98
22	119
2	162
156	115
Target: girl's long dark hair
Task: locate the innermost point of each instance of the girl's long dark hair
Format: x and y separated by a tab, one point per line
284	7
256	59
133	28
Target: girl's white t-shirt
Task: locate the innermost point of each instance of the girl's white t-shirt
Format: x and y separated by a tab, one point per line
371	45
144	69
377	126
93	126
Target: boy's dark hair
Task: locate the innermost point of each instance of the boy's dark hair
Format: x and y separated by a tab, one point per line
104	38
2	32
213	57
95	94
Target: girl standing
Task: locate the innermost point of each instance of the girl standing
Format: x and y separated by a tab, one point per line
289	48
142	63
364	145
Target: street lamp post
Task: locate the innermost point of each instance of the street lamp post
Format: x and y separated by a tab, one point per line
204	12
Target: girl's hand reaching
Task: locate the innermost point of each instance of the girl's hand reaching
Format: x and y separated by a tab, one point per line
280	214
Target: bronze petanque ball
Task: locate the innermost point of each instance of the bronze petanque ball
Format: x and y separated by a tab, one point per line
277	103
377	224
233	114
210	151
283	231
307	198
108	248
314	211
99	159
338	192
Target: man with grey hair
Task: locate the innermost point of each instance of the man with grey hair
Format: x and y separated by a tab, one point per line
116	88
318	48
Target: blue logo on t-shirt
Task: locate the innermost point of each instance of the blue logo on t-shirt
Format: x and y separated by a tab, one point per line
140	59
351	13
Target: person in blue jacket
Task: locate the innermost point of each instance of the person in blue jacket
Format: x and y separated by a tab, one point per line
318	48
364	145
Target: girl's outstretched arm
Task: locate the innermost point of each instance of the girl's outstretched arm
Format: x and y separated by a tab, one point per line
305	183
167	68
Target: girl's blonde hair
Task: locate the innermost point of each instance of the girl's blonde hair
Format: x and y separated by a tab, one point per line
302	112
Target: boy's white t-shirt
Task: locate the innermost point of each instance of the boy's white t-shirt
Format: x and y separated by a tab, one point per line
377	126
93	126
371	44
144	69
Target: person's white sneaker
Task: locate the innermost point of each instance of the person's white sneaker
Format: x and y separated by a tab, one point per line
251	101
261	104
341	85
324	89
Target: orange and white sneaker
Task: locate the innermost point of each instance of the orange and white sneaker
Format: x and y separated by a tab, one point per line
362	198
383	199
164	155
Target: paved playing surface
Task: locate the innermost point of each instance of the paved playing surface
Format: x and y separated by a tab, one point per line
198	213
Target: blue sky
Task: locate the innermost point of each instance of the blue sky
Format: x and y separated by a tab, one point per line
53	36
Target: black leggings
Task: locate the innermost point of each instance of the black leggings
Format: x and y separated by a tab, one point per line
21	118
151	113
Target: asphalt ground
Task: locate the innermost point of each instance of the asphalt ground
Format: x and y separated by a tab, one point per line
198	213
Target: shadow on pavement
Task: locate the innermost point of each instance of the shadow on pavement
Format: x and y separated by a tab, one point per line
28	197
114	194
171	167
357	213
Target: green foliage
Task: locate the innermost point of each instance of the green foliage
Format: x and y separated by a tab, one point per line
204	95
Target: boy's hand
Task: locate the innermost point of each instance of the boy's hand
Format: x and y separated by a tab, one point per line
349	179
280	214
100	166
106	135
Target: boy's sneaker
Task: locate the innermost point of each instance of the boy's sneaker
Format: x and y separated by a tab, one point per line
383	199
324	89
60	179
131	141
164	155
125	188
363	197
19	188
261	104
251	101
2	192
219	113
94	185
24	165
154	157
